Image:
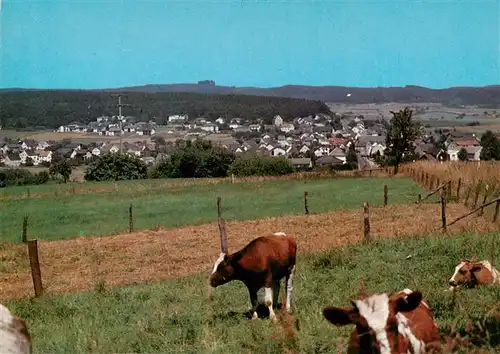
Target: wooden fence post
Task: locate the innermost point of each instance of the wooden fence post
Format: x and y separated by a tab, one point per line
366	217
385	194
459	185
486	190
306	206
35	267
24	237
29	193
232	178
467	195
419	198
222	227
443	208
497	209
478	190
130	219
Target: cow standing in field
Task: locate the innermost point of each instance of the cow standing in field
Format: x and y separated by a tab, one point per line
472	274
261	263
389	323
14	335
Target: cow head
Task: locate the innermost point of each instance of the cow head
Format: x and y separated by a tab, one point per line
14	335
376	319
222	272
467	273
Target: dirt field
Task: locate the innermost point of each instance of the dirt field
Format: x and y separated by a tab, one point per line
81	264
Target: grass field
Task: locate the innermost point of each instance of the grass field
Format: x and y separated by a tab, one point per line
175	317
67	216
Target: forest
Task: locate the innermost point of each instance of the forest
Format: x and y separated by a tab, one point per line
42	109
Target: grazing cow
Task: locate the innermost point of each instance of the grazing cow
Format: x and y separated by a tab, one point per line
472	274
14	335
261	263
388	323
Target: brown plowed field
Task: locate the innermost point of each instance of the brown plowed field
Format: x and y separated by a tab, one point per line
80	264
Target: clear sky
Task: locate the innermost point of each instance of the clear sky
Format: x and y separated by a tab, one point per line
104	44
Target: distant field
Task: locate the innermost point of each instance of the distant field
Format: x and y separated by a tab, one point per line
62	217
174	316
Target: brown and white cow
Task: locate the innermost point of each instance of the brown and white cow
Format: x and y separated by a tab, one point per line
14	335
470	274
388	323
261	263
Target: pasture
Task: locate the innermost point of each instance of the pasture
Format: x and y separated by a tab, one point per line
155	203
175	316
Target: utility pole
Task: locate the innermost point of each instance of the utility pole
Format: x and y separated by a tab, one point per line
120	118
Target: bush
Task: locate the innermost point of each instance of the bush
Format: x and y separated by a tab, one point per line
261	166
21	177
115	167
195	159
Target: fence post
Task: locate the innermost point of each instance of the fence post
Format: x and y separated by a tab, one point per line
478	190
458	188
232	178
443	208
386	190
29	193
130	219
306	206
467	195
35	267
419	198
24	237
497	209
366	217
222	227
486	190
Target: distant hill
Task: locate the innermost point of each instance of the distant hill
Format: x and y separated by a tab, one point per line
486	95
51	108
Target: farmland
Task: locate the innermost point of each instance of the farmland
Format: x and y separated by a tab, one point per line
62	217
145	291
174	316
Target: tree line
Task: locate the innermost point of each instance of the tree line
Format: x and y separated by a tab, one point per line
41	109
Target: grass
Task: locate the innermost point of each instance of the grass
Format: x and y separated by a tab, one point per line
174	316
68	216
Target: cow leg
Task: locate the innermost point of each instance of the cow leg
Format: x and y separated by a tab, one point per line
268	297
289	289
254	303
276	292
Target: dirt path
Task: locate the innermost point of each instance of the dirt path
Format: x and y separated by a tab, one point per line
79	264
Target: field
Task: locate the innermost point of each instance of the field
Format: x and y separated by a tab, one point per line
175	317
62	217
146	291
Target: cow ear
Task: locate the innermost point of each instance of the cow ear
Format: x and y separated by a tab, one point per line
409	303
476	267
339	316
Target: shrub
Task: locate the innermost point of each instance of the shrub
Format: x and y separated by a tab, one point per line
261	166
195	159
116	166
20	177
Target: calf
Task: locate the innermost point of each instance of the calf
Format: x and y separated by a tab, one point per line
14	336
388	323
261	263
472	274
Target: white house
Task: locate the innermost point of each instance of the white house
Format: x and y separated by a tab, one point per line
177	118
277	121
287	127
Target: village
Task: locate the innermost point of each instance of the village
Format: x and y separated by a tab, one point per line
310	141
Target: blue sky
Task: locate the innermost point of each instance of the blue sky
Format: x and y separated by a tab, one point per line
103	44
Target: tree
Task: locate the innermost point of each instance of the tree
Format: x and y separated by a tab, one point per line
116	167
491	146
462	154
200	158
62	168
254	165
352	158
402	131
